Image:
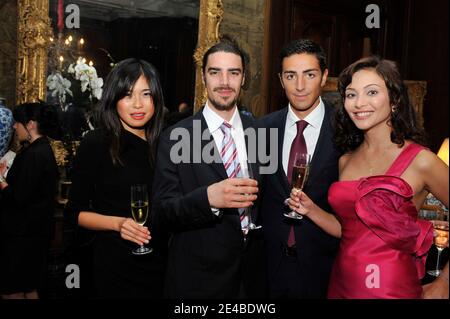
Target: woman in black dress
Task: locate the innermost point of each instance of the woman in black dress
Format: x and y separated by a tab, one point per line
109	160
27	203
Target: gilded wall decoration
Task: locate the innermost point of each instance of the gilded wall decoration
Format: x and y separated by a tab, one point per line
210	17
33	38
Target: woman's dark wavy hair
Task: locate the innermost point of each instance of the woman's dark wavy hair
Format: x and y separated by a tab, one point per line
118	83
46	117
403	120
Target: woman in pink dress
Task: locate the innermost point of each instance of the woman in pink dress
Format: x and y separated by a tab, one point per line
385	176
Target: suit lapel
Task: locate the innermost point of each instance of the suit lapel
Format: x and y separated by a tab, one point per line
217	164
324	143
247	122
281	122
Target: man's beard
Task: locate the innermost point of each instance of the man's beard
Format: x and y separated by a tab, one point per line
223	106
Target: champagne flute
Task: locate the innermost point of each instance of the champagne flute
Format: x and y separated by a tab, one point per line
300	172
248	173
139	211
441	242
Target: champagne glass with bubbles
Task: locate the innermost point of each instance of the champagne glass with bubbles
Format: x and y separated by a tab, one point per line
441	242
139	210
300	172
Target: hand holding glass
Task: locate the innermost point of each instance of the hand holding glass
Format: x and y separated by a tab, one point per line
139	210
300	172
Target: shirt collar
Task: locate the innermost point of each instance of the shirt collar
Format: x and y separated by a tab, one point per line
214	120
314	118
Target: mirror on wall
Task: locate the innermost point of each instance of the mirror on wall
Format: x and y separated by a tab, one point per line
37	24
94	35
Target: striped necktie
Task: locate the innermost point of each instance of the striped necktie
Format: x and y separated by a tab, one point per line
229	152
231	162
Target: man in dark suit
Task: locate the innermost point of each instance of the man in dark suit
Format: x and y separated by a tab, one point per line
198	195
299	254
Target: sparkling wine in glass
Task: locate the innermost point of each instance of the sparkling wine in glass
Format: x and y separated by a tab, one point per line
441	242
248	173
139	211
300	172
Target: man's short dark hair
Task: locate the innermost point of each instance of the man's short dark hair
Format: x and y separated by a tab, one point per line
228	45
304	46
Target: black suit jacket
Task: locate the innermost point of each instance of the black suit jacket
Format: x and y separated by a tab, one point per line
206	256
315	249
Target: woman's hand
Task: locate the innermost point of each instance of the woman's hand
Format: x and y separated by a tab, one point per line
3	168
300	203
132	231
438	289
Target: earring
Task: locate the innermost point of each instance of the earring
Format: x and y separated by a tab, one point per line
394	109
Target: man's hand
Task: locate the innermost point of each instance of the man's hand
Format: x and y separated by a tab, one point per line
233	193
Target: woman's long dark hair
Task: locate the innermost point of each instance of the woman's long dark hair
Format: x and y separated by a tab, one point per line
46	117
118	83
403	120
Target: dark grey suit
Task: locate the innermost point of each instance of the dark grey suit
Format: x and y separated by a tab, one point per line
207	253
315	249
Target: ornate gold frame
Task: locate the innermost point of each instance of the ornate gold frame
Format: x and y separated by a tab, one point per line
33	37
210	17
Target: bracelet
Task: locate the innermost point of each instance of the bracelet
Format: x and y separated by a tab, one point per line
2	179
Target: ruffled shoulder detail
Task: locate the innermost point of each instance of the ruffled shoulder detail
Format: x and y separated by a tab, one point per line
383	203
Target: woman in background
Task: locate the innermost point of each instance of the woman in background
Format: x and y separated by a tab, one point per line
384	178
28	202
109	160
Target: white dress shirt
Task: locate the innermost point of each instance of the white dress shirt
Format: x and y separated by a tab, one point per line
311	132
214	121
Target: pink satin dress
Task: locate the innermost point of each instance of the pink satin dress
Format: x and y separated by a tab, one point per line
383	246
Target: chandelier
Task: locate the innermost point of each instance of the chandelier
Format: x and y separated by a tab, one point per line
67	48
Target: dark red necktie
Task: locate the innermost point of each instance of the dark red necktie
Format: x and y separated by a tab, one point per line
298	146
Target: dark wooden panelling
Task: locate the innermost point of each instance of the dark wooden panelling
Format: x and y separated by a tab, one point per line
412	32
428	61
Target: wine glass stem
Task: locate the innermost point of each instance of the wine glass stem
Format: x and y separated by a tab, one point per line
438	259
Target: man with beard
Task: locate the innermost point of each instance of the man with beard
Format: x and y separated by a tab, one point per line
200	191
300	254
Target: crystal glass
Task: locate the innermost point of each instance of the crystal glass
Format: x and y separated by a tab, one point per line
441	242
139	211
248	173
300	172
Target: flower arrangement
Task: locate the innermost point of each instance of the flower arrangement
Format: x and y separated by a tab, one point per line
59	86
83	85
87	75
